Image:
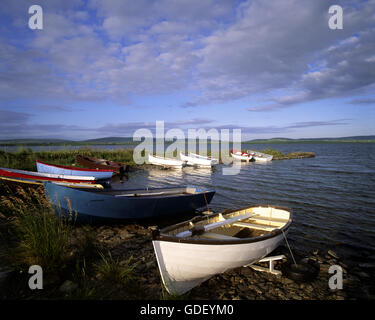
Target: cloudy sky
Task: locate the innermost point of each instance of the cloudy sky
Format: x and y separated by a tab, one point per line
106	68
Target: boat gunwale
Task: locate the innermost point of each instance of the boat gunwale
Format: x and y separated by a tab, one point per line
168	159
73	168
107	193
207	162
195	155
39	176
83	185
158	234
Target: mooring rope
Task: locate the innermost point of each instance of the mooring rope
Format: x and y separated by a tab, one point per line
290	250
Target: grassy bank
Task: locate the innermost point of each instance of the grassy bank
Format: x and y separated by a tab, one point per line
25	158
277	155
75	265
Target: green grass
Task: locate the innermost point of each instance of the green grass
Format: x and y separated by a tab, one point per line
277	155
116	271
24	159
42	237
165	295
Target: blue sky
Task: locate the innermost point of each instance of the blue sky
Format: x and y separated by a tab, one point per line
108	68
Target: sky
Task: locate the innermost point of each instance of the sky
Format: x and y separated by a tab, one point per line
107	68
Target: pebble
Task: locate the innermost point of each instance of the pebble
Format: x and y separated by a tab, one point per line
125	235
333	254
68	286
241	283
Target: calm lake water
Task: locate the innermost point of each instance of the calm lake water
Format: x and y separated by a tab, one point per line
332	196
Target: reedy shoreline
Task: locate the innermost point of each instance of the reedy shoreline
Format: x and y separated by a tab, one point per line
24	159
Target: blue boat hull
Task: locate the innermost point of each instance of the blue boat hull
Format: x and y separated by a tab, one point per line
98	175
101	206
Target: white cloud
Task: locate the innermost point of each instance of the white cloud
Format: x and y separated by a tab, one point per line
221	50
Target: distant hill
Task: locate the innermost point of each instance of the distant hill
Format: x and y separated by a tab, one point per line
34	142
315	140
129	141
110	140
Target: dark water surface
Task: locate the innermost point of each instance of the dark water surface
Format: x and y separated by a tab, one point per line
332	196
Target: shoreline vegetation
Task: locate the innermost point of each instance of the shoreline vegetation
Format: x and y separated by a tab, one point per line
24	158
130	141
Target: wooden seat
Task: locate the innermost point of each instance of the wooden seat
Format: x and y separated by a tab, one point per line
254	226
212	235
269	219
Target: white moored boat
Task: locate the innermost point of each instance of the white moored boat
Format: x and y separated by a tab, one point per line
196	160
239	155
259	156
165	162
191	252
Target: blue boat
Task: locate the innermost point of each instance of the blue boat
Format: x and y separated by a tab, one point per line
105	205
99	174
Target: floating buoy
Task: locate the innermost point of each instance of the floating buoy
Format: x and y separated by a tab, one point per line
304	271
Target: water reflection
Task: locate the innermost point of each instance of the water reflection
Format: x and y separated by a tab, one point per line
198	171
162	174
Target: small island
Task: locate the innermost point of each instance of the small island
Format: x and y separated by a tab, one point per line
277	155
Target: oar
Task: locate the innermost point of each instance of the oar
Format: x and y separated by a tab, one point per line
215	225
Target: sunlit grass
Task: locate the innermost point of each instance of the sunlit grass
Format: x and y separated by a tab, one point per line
24	159
43	238
116	271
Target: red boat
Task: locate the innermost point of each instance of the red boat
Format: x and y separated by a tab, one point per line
239	155
37	176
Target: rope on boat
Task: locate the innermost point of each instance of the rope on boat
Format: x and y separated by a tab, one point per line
290	250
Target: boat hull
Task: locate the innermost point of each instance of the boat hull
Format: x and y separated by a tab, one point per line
241	157
99	174
103	206
195	161
260	157
38	176
164	162
178	262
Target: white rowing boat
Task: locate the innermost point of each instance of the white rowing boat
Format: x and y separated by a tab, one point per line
165	162
259	156
239	155
191	252
213	160
196	160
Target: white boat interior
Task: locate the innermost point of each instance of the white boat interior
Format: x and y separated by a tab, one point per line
259	156
241	224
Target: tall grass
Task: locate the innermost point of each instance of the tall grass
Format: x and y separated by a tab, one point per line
42	238
116	271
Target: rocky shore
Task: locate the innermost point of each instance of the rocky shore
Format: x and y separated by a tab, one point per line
134	240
